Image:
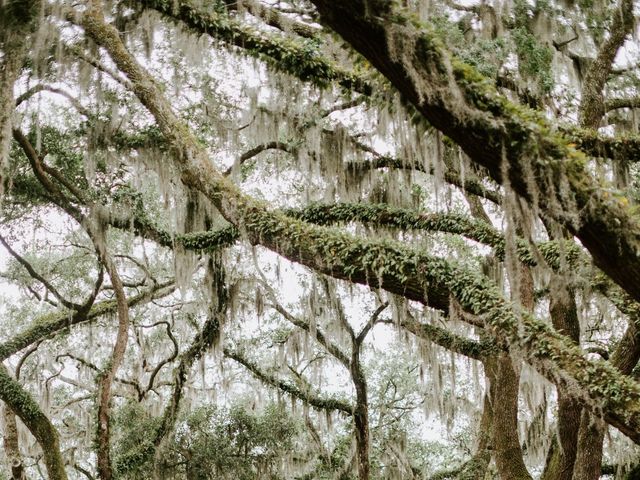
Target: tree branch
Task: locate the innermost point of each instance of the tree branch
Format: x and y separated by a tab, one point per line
329	404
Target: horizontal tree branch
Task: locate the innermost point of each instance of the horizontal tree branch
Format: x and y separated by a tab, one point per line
48	325
617	103
329	404
446	339
295	58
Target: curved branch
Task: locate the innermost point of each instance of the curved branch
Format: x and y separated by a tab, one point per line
248	155
329	404
167	360
42	87
35	275
49	325
617	103
23	405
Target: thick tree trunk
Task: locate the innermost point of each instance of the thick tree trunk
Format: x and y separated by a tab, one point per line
561	457
503	392
12	445
589	456
504	378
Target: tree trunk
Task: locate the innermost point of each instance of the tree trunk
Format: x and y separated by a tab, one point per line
561	457
11	445
17	22
589	456
503	391
360	414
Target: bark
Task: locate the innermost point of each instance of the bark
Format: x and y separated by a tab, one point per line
627	353
480	460
589	455
360	414
20	402
561	457
592	105
12	445
504	387
105	468
17	22
386	264
503	392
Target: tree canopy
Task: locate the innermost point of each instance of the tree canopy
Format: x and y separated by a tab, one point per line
307	239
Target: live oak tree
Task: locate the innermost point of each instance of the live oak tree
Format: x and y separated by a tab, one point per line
277	239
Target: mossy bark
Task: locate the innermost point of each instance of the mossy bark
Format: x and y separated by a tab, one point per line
503	374
592	104
36	421
503	393
588	462
360	414
17	23
561	457
106	378
12	445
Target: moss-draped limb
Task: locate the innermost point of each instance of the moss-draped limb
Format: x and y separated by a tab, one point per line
622	146
504	380
50	324
23	405
404	219
478	350
380	264
302	63
330	404
17	22
299	59
540	164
